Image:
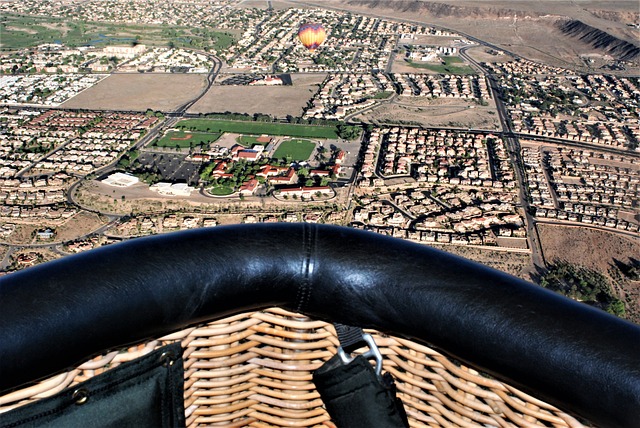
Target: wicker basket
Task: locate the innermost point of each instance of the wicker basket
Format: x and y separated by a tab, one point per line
255	369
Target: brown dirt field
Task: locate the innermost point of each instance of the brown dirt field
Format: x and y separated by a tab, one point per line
299	79
459	116
423	39
277	101
481	54
578	245
401	66
140	91
22	234
516	264
594	249
79	225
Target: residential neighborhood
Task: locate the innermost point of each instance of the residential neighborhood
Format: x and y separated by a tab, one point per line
551	102
461	188
514	143
583	186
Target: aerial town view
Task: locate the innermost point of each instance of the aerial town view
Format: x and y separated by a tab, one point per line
501	131
124	119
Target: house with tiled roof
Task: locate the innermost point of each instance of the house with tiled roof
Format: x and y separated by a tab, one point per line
250	187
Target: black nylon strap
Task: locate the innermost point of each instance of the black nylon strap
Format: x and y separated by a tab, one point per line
356	397
350	337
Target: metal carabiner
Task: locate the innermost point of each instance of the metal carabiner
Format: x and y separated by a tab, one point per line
372	353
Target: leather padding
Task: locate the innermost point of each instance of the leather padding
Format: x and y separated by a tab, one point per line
58	314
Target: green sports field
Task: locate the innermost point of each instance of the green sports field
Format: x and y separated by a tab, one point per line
296	149
247	140
187	139
452	65
258	128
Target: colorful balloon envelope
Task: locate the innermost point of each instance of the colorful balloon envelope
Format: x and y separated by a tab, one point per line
311	35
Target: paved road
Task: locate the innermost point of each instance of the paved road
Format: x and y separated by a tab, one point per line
513	146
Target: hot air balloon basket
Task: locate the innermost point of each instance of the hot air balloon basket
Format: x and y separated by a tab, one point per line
254	369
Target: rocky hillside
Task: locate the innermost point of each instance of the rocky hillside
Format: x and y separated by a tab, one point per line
442	10
601	40
623	16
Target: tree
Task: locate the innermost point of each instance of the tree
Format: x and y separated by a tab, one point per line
348	132
583	284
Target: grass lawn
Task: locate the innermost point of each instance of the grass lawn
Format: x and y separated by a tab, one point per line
27	31
298	150
220	190
452	65
186	139
257	128
247	140
382	95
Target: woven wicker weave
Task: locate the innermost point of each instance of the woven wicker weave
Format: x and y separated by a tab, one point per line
255	370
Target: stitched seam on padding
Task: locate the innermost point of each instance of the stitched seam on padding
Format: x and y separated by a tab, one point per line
304	289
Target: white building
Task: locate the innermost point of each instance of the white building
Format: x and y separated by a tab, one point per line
120	179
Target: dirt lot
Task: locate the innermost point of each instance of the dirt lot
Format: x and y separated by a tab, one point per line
438	112
481	54
276	101
79	225
578	245
139	92
516	264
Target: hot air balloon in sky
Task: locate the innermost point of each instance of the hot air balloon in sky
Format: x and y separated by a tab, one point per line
311	35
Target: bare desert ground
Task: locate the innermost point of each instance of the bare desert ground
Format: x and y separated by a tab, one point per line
277	101
437	112
157	91
594	249
516	264
578	245
80	224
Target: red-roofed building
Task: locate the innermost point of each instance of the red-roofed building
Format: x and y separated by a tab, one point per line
271	171
319	172
290	178
250	187
220	170
201	157
340	157
248	155
267	81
